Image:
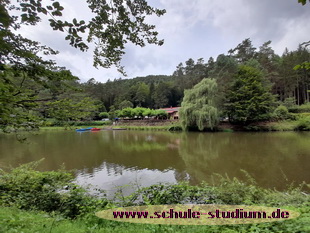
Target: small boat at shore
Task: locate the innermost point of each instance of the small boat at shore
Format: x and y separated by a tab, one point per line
83	130
95	129
114	129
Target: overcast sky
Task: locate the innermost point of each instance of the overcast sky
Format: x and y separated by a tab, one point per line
191	29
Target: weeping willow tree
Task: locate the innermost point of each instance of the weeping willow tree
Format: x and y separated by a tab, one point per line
198	108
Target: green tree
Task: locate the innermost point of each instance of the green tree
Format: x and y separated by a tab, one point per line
244	51
68	109
139	112
125	104
127	112
103	115
250	98
199	108
161	114
223	71
148	112
142	94
162	94
114	24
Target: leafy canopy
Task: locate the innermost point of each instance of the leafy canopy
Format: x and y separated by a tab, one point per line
198	108
114	24
250	98
68	109
303	2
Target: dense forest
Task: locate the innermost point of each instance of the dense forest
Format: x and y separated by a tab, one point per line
164	91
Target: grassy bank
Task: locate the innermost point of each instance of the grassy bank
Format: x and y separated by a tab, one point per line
135	125
30	201
300	124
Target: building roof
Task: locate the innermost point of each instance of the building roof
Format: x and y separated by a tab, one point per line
171	109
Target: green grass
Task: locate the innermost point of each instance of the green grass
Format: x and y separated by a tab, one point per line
283	126
15	220
159	128
48	128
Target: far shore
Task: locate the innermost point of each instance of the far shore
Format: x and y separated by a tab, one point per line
174	125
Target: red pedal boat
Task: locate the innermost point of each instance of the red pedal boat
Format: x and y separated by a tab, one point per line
95	129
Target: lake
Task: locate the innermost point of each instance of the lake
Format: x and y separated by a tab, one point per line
109	159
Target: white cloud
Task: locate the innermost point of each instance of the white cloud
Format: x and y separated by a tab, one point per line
191	29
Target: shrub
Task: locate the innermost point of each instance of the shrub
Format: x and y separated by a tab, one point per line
127	112
303	124
289	102
104	115
139	112
175	128
300	109
281	113
162	114
26	188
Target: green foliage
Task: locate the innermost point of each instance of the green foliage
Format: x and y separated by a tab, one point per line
303	2
289	102
36	190
161	95
166	91
114	24
104	115
68	109
303	124
142	112
148	112
142	94
26	188
27	80
198	108
162	114
281	113
54	122
125	104
127	112
250	98
300	109
139	112
244	51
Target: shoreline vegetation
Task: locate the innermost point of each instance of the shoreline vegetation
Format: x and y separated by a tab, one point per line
34	201
265	126
293	118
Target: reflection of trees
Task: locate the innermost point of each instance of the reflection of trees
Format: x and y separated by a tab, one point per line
266	156
87	151
197	150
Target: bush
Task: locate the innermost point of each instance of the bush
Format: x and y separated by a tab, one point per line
227	191
303	124
300	109
281	113
289	102
175	128
26	188
162	114
51	123
104	115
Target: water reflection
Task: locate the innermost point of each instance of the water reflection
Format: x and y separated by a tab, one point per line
113	158
273	159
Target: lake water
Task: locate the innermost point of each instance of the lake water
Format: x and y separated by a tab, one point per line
109	159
